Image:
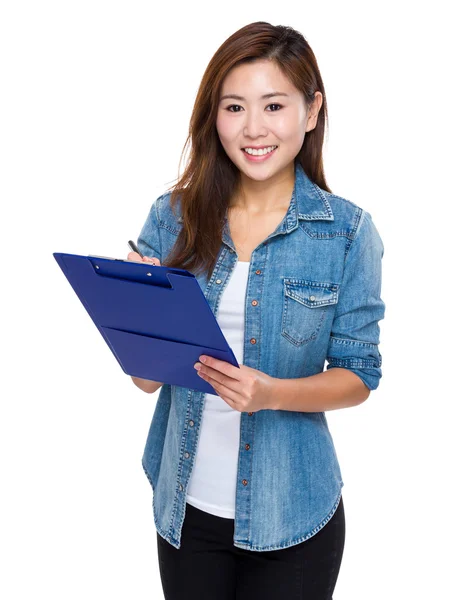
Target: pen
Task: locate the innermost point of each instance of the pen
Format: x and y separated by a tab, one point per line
133	246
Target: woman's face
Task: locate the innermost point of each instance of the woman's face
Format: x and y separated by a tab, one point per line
254	120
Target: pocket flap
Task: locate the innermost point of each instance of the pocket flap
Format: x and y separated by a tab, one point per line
311	293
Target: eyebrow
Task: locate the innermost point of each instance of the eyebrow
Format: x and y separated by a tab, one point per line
236	97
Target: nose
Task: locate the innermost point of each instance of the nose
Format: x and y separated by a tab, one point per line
254	125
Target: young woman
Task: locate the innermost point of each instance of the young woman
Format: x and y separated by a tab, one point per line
247	487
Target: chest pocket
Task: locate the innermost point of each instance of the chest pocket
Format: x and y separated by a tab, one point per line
306	305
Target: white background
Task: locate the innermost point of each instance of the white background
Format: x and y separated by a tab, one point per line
95	103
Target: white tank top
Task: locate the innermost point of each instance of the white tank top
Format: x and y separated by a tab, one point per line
213	481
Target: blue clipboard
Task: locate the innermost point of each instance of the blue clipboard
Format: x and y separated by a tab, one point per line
155	319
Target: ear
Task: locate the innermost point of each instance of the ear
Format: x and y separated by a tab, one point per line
314	111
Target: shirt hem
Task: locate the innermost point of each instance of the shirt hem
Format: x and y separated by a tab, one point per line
245	546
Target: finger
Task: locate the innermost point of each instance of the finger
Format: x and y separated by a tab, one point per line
134	256
227	394
216	377
152	260
223	367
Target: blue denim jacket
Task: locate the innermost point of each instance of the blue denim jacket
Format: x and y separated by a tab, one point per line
317	282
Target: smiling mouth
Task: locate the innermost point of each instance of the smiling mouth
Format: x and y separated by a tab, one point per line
259	151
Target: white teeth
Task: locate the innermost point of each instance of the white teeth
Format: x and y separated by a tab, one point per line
260	152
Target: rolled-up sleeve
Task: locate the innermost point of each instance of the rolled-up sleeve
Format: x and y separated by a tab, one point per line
149	239
354	337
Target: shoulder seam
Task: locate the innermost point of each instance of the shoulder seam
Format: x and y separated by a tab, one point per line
358	220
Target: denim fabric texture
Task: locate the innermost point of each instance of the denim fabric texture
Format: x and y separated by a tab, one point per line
317	280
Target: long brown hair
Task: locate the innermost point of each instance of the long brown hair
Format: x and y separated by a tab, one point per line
210	177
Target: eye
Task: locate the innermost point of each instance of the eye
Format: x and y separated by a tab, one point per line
238	105
279	105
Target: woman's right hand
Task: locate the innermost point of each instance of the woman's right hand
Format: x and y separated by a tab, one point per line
151	260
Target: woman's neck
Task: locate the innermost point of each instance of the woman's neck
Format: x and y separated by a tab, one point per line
263	197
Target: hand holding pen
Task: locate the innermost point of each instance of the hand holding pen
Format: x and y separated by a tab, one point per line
136	256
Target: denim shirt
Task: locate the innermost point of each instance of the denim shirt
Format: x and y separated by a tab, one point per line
316	280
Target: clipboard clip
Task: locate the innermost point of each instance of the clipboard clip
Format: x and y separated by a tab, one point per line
130	270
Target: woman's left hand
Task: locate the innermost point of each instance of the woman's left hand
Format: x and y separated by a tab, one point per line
244	389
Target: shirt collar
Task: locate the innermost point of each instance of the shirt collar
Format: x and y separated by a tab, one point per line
308	201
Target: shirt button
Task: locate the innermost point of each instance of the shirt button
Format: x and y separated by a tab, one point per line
218	281
254	302
311	297
191	423
186	454
253	340
244	481
258	272
180	487
247	446
250	414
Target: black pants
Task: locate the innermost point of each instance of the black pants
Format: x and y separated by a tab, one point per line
208	566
